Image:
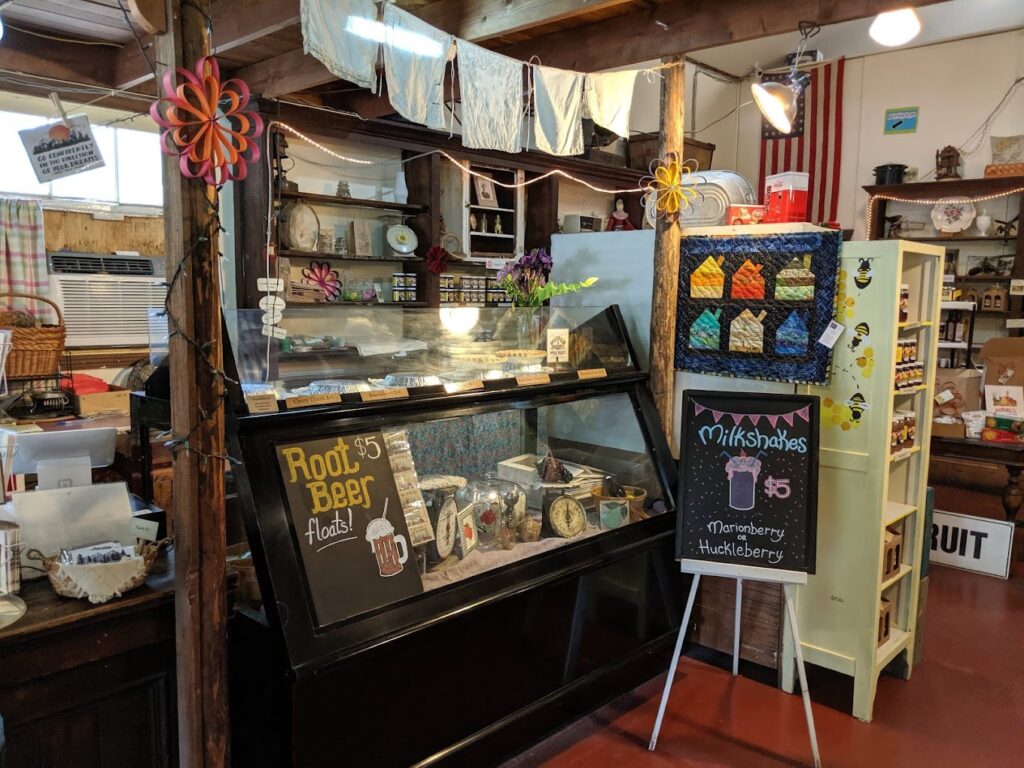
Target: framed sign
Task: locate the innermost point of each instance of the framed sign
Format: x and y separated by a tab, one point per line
347	519
748	480
901	120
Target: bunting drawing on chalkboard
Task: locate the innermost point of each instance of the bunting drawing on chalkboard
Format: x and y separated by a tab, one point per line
737	418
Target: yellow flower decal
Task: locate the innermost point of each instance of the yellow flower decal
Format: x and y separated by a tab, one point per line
866	362
672	185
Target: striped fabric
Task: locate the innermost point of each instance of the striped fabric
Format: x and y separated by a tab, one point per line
23	257
815	145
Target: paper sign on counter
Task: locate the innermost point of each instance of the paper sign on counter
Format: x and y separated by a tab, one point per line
306	401
375	395
591	373
532	379
264	402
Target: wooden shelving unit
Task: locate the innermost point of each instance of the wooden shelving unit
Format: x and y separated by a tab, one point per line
352	202
863	489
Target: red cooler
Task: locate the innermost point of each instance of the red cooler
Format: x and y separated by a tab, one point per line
785	197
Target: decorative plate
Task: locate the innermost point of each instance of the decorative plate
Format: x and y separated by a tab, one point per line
953	214
300	226
401	238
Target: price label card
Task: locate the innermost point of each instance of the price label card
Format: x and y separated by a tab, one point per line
533	379
463	386
558	345
145	529
374	395
265	402
274	332
831	334
306	401
272	284
591	373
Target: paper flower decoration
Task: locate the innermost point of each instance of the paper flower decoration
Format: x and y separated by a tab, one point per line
320	274
671	185
206	124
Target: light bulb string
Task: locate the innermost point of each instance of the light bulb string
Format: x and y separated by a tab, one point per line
869	218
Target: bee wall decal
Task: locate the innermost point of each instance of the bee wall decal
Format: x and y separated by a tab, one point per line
860	332
863	277
857	405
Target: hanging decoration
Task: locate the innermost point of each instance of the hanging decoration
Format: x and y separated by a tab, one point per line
320	274
206	123
673	186
756	306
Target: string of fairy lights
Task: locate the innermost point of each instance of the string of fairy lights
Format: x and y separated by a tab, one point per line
918	201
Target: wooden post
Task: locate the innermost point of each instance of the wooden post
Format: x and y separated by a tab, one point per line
196	414
666	254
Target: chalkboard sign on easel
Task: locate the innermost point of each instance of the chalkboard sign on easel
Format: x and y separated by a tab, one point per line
748	506
748	480
348	523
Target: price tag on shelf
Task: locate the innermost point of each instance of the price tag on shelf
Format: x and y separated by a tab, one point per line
533	379
306	401
375	395
455	387
831	334
271	284
264	402
591	373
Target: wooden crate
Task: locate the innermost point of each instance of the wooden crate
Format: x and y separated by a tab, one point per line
642	150
884	621
760	619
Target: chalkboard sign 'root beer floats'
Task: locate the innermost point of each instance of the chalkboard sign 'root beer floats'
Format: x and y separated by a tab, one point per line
354	550
748	479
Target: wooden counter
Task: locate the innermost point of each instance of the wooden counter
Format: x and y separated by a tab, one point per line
91	685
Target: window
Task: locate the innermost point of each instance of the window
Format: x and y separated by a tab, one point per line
132	174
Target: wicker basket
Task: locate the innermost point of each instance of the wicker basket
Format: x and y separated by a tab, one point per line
35	351
99	582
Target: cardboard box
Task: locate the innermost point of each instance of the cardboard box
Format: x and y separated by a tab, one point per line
113	401
956	390
738	215
785	197
1004	361
942	429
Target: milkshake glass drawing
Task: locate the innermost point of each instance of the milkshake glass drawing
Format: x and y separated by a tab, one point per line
742	471
385	545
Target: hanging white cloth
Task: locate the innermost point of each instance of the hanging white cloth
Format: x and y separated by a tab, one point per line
415	55
558	110
609	97
345	36
492	98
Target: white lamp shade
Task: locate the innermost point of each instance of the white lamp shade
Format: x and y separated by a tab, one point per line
894	28
777	102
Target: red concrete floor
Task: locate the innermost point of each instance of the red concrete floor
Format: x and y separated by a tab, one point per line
964	706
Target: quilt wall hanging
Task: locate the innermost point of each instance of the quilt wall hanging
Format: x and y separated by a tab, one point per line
754	306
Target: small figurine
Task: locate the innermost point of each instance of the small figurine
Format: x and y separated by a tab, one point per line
343	189
619	220
947	163
473	222
497	224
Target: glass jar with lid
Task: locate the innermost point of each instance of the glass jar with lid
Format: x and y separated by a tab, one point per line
499	508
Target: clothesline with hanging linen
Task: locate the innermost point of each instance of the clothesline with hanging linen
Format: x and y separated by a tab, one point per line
350	36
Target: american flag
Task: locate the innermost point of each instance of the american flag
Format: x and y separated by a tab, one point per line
815	145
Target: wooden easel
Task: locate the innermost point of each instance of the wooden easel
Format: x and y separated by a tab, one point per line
788	579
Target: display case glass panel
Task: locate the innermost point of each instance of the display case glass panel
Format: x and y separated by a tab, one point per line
348	350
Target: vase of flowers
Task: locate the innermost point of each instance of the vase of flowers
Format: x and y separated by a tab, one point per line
525	281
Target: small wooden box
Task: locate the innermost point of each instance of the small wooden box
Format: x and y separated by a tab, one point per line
884	621
892	553
115	400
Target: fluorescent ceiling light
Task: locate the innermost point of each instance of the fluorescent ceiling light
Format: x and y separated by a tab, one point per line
404	39
894	28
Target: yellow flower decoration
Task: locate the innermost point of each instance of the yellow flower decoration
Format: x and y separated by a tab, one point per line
672	184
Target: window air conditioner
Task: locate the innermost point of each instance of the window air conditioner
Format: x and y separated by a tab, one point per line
106	300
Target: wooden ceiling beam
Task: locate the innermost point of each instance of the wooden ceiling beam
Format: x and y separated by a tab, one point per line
486	19
688	25
235	23
28	55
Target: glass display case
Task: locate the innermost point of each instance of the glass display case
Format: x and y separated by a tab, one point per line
404	471
354	354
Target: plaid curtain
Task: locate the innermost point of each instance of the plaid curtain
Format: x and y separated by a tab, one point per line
23	257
